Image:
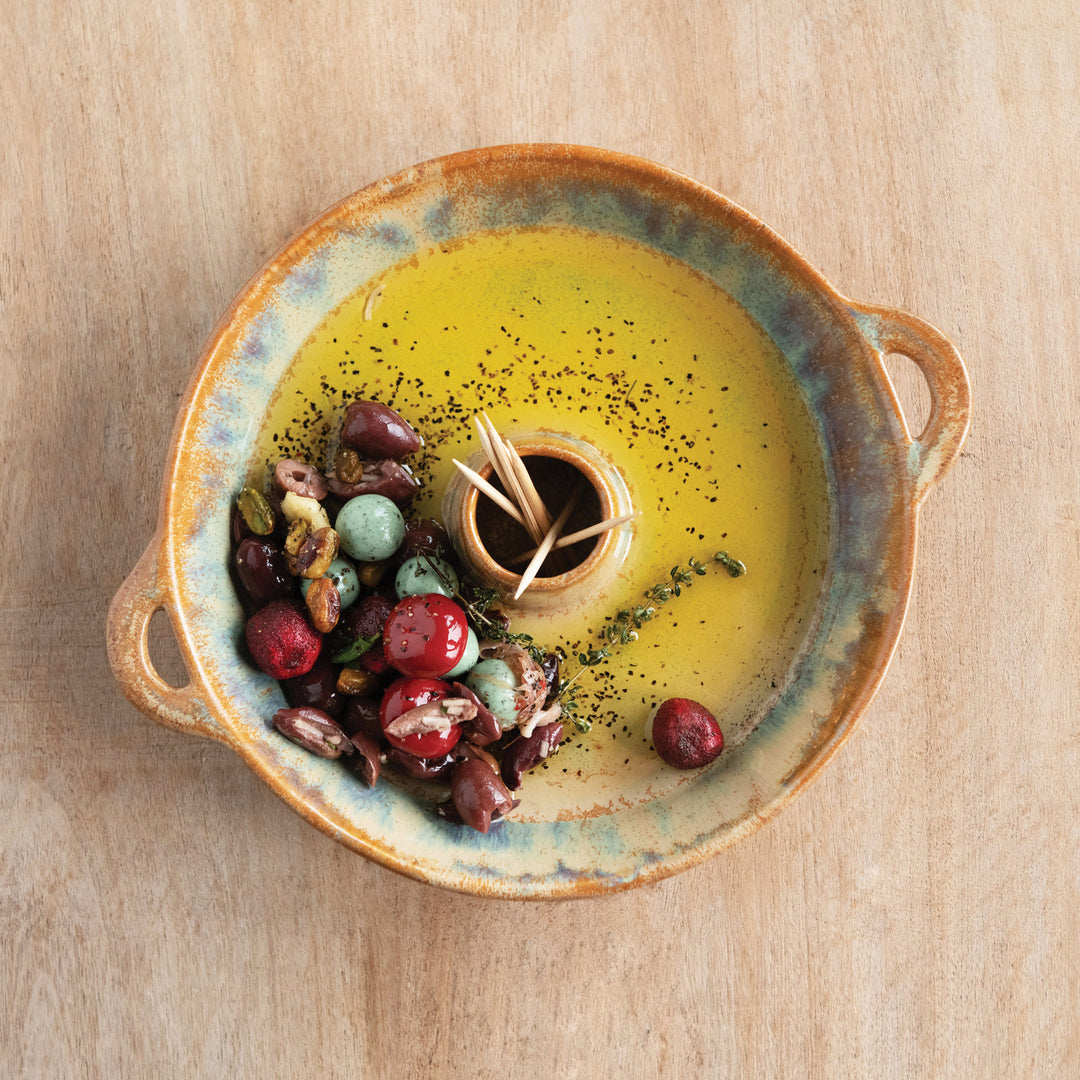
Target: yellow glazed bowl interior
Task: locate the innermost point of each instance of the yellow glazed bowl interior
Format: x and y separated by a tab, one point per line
738	402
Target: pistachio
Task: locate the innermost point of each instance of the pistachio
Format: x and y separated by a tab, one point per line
371	573
256	511
316	553
358	682
323	604
300	507
295	539
299	531
348	465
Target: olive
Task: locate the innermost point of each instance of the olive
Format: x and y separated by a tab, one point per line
528	751
367	618
425	574
370	528
262	572
436	768
317	689
366	762
478	794
424	535
384	477
305	480
377	431
361	716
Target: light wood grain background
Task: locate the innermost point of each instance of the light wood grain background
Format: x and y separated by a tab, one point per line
915	914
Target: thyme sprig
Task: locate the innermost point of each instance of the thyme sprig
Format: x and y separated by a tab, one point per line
567	690
492	629
622	628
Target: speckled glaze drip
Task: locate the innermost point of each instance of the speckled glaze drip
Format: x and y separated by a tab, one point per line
876	477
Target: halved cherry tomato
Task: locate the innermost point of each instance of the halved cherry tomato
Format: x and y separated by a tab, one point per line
425	636
406	694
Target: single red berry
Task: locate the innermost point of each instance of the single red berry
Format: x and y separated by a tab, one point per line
685	734
281	640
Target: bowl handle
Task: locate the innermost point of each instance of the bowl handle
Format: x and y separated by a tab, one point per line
934	450
144	592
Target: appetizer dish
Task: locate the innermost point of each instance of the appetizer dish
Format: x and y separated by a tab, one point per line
537	522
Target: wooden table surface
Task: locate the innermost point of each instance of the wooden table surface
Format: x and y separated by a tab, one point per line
915	914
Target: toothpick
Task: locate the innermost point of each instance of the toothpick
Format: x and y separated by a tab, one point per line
581	534
500	459
492	493
539	510
546	545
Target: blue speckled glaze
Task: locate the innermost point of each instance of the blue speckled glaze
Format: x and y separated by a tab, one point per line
865	447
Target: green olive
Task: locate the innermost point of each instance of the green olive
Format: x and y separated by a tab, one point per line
426	574
370	528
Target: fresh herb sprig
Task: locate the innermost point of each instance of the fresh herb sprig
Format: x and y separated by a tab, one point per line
567	690
623	627
477	608
620	629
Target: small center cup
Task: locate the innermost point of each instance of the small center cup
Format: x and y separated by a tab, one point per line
495	549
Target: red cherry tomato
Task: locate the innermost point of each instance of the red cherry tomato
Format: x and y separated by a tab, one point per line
425	636
406	694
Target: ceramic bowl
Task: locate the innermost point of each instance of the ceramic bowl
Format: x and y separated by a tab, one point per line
621	817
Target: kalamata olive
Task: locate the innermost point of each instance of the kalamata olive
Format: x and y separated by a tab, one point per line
366	619
367	761
483	729
362	717
305	480
478	793
424	535
386	477
377	431
436	768
262	571
317	689
314	731
374	659
526	753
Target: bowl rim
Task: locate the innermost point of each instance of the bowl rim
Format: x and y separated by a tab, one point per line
853	321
